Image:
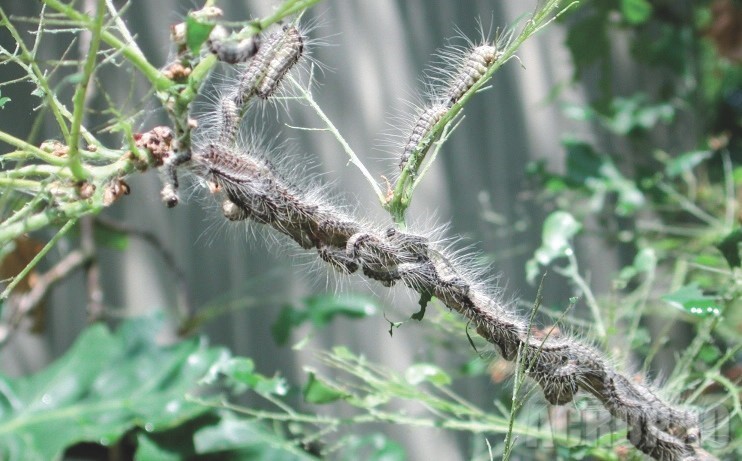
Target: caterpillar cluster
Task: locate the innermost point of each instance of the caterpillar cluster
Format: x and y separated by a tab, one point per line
252	188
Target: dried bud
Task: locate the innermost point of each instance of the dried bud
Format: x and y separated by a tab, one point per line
114	190
85	190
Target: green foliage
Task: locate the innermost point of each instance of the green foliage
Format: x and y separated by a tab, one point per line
105	385
672	211
3	100
691	300
558	230
320	310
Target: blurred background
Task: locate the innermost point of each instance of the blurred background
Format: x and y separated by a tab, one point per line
630	82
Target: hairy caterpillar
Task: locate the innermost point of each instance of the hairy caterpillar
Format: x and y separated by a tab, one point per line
231	51
462	67
425	122
471	69
279	52
252	188
560	365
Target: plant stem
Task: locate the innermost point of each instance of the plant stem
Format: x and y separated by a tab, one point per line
79	99
22	274
353	157
38	153
158	81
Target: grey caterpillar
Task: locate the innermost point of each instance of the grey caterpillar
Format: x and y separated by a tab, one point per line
231	51
472	68
561	366
263	74
423	126
288	54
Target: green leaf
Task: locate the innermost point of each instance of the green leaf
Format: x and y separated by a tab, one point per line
321	310
636	11
731	246
246	440
197	32
709	354
475	367
559	228
628	116
148	449
691	300
645	261
421	372
105	385
318	392
598	174
737	175
3	100
240	375
686	162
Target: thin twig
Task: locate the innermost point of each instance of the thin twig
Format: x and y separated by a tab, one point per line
22	305
331	128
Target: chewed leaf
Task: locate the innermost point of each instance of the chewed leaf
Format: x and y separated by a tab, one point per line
691	300
197	32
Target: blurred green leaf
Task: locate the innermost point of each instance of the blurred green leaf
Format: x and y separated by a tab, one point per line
559	228
148	449
475	367
373	447
709	354
691	300
730	247
577	112
686	162
3	100
628	116
421	372
246	440
636	11
737	175
197	32
105	385
318	392
240	375
645	261
598	174
321	310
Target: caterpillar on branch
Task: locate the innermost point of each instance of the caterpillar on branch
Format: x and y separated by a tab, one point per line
252	188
